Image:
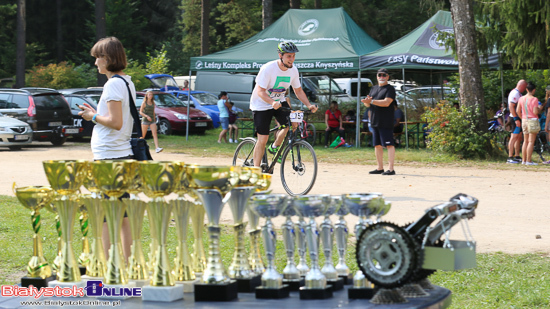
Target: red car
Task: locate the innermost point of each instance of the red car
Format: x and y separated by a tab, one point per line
172	114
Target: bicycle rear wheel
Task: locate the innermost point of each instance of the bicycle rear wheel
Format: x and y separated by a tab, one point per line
311	134
298	168
244	154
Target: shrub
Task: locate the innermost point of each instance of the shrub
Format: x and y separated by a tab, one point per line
60	76
454	132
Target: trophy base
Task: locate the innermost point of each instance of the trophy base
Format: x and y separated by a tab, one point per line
337	284
82	270
78	284
36	282
116	291
294	284
216	292
140	282
347	279
162	293
248	285
361	293
188	286
325	293
271	293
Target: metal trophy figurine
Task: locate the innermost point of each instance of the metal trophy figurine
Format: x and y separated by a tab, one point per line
268	207
212	184
327	239
255	257
66	177
291	274
301	244
34	198
197	214
312	206
242	190
362	205
84	257
159	179
341	234
138	270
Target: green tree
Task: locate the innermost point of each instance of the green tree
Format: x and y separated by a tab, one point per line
239	20
7	48
159	63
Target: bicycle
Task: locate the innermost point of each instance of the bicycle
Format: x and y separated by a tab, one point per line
542	147
307	130
298	159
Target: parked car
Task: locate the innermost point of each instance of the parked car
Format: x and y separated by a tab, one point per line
94	93
349	86
172	114
418	99
45	110
87	126
14	133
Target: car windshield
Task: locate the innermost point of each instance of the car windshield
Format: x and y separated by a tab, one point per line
164	81
206	98
168	100
325	84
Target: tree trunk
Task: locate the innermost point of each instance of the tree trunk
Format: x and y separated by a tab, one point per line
317	4
267	13
59	31
100	32
205	25
471	90
21	50
295	4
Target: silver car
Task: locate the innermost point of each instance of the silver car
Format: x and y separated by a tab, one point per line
14	133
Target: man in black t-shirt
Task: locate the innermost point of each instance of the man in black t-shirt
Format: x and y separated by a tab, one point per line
380	101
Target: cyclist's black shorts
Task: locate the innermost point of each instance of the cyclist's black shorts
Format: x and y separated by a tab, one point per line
262	119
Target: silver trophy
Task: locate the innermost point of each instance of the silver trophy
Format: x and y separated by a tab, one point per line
341	234
268	207
313	206
327	239
291	274
300	228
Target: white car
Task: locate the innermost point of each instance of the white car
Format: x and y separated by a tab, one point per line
14	133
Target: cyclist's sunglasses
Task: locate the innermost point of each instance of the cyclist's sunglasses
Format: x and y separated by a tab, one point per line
382	75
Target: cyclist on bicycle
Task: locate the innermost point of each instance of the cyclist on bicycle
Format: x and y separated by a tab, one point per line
272	82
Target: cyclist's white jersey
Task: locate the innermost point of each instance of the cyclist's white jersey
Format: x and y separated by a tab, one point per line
276	82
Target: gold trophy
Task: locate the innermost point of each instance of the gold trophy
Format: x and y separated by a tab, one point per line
84	257
212	184
34	198
197	213
182	208
138	271
112	178
255	257
66	177
97	264
158	179
239	269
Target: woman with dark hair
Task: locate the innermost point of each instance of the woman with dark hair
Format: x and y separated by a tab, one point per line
147	112
114	122
333	121
528	110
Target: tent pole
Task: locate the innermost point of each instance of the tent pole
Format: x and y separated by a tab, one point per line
357	119
405	104
188	107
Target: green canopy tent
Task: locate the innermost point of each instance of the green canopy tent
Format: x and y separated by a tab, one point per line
421	50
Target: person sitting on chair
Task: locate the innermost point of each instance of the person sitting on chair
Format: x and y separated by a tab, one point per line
333	120
398	117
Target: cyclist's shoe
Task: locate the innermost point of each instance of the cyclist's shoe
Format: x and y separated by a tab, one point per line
280	159
511	161
271	149
530	163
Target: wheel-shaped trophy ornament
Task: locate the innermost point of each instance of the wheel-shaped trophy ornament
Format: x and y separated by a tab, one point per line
327	239
291	274
312	206
255	257
34	198
159	179
341	234
268	207
243	188
212	184
65	178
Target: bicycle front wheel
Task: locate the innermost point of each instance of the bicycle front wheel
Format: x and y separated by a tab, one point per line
298	168
244	154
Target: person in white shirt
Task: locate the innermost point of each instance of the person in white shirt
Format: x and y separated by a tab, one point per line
272	82
515	137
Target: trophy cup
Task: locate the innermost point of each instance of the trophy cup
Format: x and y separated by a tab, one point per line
268	207
34	198
362	205
197	213
66	177
300	228
138	271
291	274
158	179
239	270
212	184
255	257
84	257
183	265
327	238
341	234
312	206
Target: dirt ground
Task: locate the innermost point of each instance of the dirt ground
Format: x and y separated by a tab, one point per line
512	214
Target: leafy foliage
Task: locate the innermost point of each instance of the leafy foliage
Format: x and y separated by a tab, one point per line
159	63
137	71
454	132
59	76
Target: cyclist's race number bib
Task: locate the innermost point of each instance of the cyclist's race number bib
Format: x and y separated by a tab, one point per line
277	93
297	116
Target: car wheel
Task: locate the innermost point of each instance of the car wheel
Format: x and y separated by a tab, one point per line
58	141
15	147
164	127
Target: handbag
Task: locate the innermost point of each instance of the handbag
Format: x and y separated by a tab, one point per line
139	145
